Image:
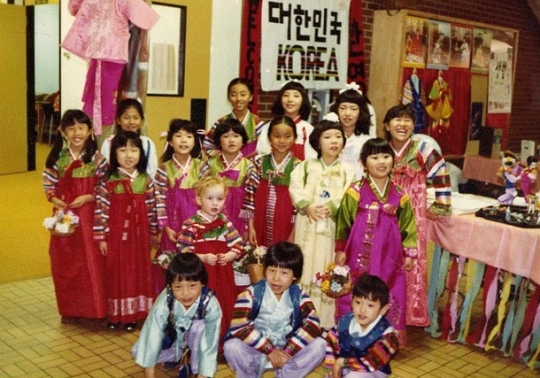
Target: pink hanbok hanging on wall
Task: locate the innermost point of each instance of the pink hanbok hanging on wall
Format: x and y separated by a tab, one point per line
100	35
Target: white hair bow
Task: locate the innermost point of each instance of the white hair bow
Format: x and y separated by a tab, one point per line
333	117
352	86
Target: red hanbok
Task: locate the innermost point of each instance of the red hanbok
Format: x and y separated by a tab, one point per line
77	265
128	221
216	237
274	211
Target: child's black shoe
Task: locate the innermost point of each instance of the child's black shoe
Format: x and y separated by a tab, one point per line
113	326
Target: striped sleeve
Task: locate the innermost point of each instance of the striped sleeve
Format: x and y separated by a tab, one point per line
161	182
243	328
150	200
259	123
332	348
234	240
186	237
308	331
50	181
438	177
101	214
253	179
378	355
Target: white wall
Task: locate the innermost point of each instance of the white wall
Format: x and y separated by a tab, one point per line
224	55
46	40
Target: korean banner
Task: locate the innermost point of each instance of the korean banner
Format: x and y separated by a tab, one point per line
307	41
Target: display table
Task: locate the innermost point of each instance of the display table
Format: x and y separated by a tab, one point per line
471	253
481	168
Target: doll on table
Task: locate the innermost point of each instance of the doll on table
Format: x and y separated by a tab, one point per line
510	172
528	178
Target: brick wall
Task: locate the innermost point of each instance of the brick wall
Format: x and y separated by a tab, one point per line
516	14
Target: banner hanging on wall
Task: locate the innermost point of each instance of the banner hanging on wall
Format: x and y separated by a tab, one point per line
250	53
304	41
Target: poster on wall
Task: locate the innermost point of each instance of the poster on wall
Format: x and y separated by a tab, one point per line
304	41
500	72
461	46
481	50
167	41
439	45
416	35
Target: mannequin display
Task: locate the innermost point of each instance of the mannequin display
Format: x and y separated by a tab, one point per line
100	35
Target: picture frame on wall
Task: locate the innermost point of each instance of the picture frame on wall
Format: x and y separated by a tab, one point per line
438	56
461	46
481	50
166	48
416	36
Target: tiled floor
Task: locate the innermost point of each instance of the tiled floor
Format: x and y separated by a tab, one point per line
34	343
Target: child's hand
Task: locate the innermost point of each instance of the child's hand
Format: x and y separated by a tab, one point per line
290	239
224	258
171	234
154	241
316	213
340	258
408	265
81	200
336	369
278	358
103	247
209	258
252	234
58	203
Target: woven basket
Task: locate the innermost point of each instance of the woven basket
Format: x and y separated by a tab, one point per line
256	272
347	288
70	232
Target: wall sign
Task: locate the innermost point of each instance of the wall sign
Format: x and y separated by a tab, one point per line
304	41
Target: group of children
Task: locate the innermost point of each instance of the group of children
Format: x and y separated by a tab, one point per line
246	182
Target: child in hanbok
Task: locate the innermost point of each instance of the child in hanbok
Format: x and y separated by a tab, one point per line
376	231
272	219
230	164
126	228
185	315
316	189
130	117
175	181
417	164
275	325
364	341
352	108
213	237
70	178
240	95
293	102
